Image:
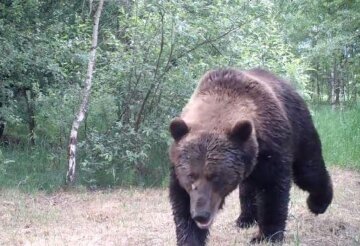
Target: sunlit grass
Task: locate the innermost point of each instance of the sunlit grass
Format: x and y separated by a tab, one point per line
340	135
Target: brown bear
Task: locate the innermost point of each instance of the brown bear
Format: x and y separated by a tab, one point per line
249	129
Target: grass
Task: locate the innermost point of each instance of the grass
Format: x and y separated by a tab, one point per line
31	169
35	211
143	217
340	135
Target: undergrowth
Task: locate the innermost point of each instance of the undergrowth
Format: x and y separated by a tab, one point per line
44	167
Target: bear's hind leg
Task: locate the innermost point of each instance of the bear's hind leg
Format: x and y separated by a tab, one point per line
312	176
247	195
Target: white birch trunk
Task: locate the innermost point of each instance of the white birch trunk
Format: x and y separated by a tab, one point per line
70	176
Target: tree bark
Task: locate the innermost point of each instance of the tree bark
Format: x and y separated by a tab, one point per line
335	87
318	97
328	73
354	94
2	127
2	123
70	176
31	115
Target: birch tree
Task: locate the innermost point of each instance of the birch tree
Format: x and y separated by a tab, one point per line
70	176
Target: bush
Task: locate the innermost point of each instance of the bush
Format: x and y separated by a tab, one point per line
120	157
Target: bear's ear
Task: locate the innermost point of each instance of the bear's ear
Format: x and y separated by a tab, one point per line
241	131
178	128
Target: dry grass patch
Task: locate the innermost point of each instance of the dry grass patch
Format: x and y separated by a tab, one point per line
143	217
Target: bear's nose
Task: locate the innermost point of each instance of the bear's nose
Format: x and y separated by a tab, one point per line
202	217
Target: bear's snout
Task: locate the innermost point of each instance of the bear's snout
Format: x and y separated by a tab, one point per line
202	212
202	217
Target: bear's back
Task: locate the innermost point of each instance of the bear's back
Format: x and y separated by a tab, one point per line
224	97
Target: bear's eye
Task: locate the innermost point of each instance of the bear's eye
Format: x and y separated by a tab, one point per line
192	176
213	177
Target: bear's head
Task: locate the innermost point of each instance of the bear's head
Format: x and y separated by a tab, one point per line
209	165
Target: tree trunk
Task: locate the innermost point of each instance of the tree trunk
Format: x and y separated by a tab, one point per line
341	85
2	128
354	95
347	86
70	176
342	78
342	93
328	72
317	85
31	115
335	87
354	91
2	123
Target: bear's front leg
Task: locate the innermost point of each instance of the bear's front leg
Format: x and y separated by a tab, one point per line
247	195
187	232
272	204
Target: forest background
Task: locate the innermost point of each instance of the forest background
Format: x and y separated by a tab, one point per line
150	55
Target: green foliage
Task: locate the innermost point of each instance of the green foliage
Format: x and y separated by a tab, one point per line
151	69
326	34
149	58
115	158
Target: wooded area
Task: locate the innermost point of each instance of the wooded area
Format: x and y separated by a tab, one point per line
150	55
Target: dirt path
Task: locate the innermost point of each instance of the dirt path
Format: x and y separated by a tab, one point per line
143	217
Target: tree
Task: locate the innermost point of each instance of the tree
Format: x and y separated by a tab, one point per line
326	34
70	176
149	57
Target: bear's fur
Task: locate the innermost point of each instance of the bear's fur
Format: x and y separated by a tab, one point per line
248	129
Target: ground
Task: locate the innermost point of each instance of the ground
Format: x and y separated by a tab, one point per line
143	217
